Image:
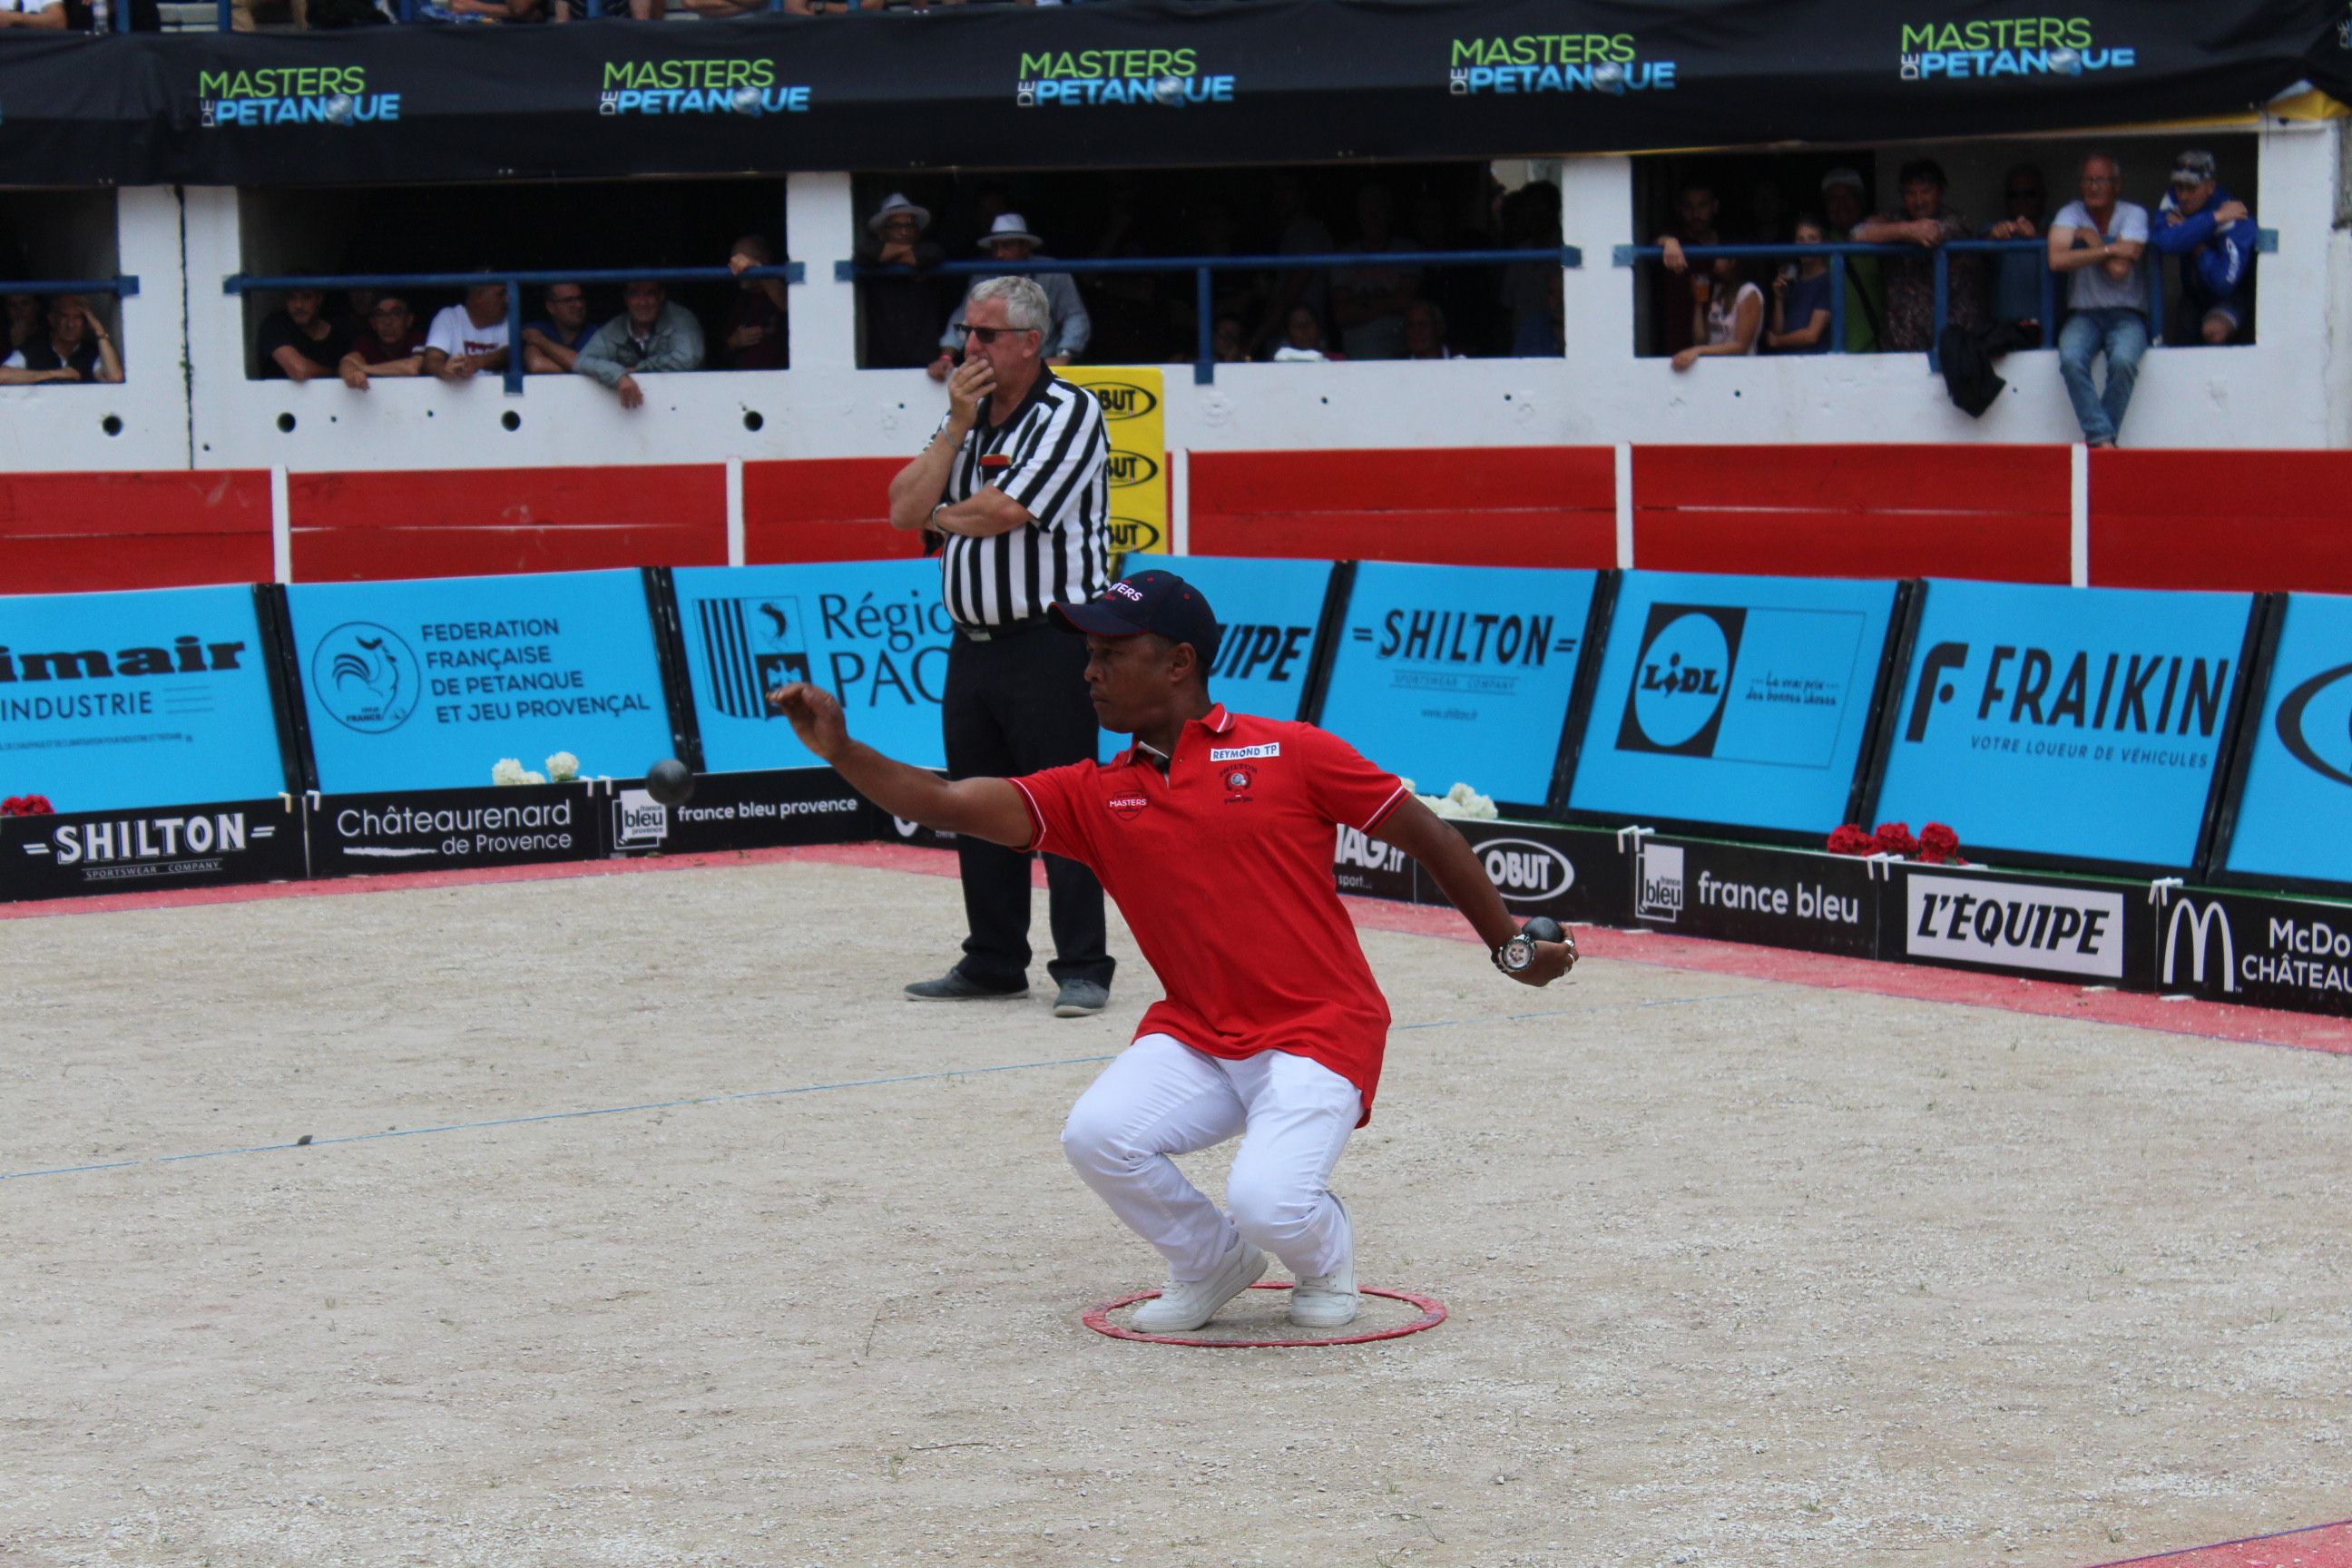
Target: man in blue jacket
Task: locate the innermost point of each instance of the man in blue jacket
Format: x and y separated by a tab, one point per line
2214	236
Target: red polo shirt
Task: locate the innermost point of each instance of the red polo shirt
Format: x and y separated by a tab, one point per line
1222	868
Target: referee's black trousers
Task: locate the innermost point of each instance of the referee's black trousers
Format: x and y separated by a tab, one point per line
1015	705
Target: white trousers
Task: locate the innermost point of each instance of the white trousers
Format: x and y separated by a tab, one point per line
1160	1097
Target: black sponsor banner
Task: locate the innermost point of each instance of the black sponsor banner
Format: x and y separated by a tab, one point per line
1575	874
1126	82
448	830
1747	892
755	810
1362	864
2068	929
2253	948
77	853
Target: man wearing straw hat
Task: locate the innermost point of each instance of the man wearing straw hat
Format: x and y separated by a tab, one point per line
901	313
1009	240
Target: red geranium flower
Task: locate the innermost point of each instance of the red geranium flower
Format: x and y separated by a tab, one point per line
1895	839
26	805
1939	845
1851	840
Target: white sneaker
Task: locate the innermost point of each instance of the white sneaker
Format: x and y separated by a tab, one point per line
1329	1300
1182	1306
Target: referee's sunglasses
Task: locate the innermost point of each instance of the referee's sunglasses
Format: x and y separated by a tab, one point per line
986	335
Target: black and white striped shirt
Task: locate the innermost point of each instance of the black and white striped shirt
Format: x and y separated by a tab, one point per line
1057	453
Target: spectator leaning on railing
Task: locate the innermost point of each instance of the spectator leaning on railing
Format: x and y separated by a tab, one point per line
551	345
1843	206
468	338
2017	275
297	342
75	344
1728	313
757	334
2098	241
1695	210
1009	239
2213	233
391	346
1927	222
654	334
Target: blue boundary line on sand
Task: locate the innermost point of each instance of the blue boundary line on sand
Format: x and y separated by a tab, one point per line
766	1094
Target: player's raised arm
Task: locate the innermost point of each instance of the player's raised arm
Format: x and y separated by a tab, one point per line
1446	856
986	808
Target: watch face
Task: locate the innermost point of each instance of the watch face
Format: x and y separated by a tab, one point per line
1517	954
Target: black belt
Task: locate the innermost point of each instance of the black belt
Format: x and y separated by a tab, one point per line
1002	629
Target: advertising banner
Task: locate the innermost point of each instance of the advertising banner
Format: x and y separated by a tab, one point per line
1363	866
427	684
2254	948
1572	874
743	811
1133	419
2291	811
1739	702
2077	725
1735	892
2055	927
121	700
143	850
875	633
1460	674
369	834
1126	83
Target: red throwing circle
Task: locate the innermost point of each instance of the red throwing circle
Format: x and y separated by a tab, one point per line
1432	1312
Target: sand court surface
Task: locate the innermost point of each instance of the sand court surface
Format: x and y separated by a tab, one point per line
1741	1271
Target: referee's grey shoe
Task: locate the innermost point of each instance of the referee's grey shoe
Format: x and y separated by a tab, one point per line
954	986
1080	999
1185	1305
1329	1300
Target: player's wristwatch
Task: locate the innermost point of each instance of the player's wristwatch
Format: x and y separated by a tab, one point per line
1512	957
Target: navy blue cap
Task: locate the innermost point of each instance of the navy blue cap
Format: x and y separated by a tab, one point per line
1151	601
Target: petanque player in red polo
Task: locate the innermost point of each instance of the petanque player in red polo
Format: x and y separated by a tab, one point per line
1213	832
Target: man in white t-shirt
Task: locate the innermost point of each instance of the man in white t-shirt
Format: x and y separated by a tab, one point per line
463	339
2097	242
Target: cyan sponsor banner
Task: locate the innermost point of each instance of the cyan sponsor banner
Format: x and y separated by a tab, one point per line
1460	674
1739	701
2297	797
2073	724
871	632
113	701
427	684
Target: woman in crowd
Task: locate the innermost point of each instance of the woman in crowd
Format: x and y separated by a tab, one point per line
1727	315
1800	301
1302	338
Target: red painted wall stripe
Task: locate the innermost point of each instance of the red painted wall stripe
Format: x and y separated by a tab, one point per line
821	508
67	533
493	522
2222	519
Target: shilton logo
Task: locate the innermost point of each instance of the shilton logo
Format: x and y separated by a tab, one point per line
2314	724
291	95
140	846
2007	45
1681	679
1555	62
698	86
1168	78
365	678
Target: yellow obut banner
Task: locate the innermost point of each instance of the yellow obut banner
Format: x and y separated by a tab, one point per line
1139	451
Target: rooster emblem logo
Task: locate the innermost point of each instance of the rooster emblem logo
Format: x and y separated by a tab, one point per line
364	678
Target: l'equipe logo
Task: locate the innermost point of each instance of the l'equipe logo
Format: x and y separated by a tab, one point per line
365	678
2068	930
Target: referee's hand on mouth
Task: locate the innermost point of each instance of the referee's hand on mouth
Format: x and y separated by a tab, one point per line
968	388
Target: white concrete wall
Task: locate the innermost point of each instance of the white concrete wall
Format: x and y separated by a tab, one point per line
2290	390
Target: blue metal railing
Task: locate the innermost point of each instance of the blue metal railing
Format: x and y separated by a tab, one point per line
123	287
1837	252
1205	363
514	283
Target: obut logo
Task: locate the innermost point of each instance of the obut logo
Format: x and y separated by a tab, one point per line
365	678
1681	679
1123	399
1127	469
1131	535
1525	871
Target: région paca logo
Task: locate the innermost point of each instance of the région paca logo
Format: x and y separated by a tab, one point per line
2007	45
698	86
291	95
1555	62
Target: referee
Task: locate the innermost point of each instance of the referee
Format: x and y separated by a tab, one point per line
1014	482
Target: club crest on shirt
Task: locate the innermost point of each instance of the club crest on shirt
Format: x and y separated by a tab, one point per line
1238	779
1128	807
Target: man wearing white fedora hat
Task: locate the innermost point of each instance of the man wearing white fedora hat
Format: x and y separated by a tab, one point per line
1009	240
901	313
